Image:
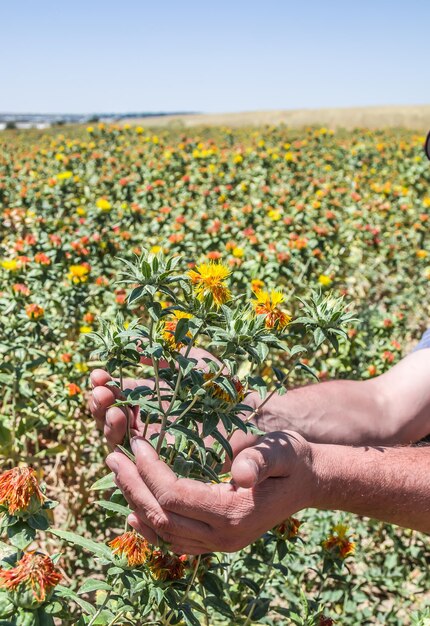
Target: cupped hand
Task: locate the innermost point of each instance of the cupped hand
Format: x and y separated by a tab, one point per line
270	481
112	420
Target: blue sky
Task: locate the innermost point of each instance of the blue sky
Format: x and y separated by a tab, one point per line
214	56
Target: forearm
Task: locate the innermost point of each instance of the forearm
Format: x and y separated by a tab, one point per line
389	484
393	408
341	411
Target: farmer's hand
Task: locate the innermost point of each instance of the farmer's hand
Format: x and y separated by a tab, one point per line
112	420
270	481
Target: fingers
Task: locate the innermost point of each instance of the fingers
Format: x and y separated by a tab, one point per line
99	377
170	526
101	399
191	499
157	475
269	458
115	426
180	545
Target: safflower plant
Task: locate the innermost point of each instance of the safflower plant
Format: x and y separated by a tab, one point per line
189	412
286	211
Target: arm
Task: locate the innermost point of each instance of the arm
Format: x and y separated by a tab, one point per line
272	480
389	484
391	409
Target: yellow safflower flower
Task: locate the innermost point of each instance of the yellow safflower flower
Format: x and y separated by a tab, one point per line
422	254
78	273
85	329
274	215
64	175
10	265
156	249
324	280
238	252
268	304
209	279
82	367
103	204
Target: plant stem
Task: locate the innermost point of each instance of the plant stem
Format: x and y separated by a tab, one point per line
116	618
104	603
173	400
127	409
263	584
190	584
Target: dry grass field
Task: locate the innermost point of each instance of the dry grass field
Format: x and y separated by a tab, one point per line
416	117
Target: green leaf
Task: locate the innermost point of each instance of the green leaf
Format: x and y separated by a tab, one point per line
185	365
181	329
308	369
38	521
98	549
113	506
107	482
219	605
44	619
92	584
223	441
21	535
64	592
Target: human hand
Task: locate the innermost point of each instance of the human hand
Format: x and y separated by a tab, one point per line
271	481
112	420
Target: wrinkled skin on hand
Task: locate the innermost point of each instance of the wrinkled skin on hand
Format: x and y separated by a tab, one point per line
270	481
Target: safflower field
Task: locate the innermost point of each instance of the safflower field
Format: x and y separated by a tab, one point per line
114	238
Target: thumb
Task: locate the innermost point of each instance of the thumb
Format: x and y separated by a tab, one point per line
268	458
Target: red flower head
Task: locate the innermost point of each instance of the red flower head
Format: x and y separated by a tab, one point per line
167	566
131	545
32	579
20	491
34	311
288	529
338	544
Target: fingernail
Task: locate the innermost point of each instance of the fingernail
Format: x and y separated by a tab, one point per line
112	464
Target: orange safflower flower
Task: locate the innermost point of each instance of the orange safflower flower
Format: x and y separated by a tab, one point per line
338	544
34	311
268	304
209	279
167	566
42	259
21	288
218	392
131	545
35	572
170	328
20	491
214	255
256	284
74	389
288	529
